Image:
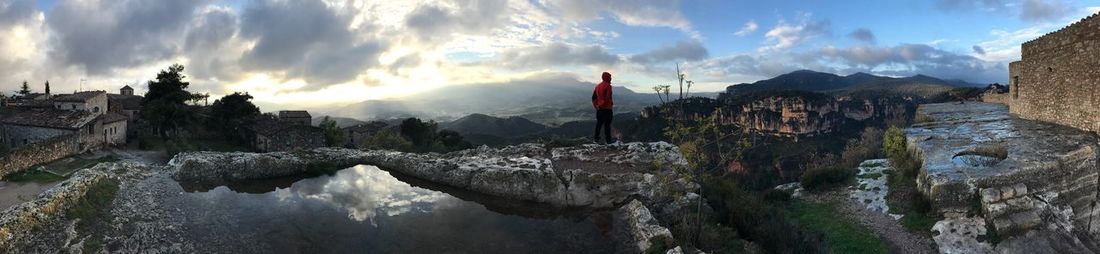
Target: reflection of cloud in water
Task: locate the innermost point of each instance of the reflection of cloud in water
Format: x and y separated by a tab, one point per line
364	191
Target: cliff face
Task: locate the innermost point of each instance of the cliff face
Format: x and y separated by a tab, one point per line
807	114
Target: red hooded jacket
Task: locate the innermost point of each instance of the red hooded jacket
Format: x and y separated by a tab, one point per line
601	97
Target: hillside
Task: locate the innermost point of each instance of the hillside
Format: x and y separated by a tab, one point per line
807	80
488	125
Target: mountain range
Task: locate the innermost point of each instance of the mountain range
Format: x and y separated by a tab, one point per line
806	80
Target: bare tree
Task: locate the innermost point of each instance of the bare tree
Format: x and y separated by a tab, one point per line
657	89
689	83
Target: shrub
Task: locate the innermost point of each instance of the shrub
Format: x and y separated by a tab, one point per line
776	196
820	178
756	220
893	143
388	140
866	147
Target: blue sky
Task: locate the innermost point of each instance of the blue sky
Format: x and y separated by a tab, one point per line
330	52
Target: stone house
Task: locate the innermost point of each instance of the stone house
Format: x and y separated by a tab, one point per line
274	136
81	116
1058	77
128	105
357	135
301	117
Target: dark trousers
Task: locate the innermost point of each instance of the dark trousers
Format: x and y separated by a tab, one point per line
603	119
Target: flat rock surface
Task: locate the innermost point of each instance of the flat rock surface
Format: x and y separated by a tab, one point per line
951	133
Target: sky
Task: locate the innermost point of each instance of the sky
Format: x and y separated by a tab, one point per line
291	53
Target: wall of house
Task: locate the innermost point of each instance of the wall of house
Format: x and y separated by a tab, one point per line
1058	78
297	120
25	157
90	137
114	133
18	135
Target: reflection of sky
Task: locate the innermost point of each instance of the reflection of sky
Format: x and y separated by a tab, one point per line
364	192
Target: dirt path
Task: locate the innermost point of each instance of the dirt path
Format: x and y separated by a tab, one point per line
896	237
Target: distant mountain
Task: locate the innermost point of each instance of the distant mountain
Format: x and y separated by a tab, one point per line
488	125
807	80
340	121
548	99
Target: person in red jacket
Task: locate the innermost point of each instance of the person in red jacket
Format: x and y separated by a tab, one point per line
601	100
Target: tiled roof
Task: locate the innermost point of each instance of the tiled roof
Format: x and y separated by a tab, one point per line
127	87
127	102
111	117
293	113
78	96
48	118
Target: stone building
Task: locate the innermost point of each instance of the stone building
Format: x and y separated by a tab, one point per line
357	135
274	136
126	90
126	104
1058	77
301	117
82	116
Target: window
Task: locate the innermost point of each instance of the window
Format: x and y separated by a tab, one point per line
91	129
73	105
95	110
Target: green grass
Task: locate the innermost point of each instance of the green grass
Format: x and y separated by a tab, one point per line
841	235
92	210
919	222
33	175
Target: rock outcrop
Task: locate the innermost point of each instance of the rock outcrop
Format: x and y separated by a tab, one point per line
635	228
1031	181
588	176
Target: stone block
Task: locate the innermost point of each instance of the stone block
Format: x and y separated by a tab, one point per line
1026	220
990	195
1007	193
1021	189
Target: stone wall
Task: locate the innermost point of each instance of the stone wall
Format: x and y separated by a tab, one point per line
999	98
18	135
1058	78
24	157
115	133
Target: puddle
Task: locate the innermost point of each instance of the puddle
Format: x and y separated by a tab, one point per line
366	209
973	160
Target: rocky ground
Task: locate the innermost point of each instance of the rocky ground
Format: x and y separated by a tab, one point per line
146	214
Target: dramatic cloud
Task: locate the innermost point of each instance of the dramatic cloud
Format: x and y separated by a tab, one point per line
683	51
863	34
1040	10
15	11
557	54
786	35
434	22
656	13
305	39
749	27
101	36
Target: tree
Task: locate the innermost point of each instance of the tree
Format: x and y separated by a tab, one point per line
24	90
165	103
893	143
420	133
333	135
234	115
452	140
47	87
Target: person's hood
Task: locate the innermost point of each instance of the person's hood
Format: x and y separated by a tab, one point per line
607	77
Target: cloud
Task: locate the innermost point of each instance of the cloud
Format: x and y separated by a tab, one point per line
16	11
101	36
435	22
1044	10
785	35
863	34
990	5
899	60
305	39
692	50
652	13
979	50
749	27
556	54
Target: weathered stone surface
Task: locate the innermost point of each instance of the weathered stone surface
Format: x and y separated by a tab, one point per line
1043	157
609	176
635	226
960	235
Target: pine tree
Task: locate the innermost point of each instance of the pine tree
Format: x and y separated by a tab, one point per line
47	87
25	89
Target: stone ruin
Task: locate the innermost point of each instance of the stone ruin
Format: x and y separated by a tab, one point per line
1058	78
